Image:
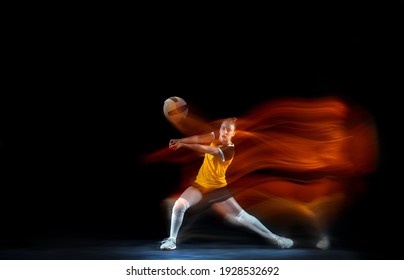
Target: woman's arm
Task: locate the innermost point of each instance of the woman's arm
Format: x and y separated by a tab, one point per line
196	139
205	149
195	143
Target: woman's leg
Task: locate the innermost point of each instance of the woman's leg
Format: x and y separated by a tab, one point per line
189	197
232	212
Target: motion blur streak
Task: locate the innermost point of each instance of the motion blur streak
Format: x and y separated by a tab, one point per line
309	156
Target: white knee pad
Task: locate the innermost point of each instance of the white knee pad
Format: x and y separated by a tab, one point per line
234	219
246	220
241	219
243	216
180	206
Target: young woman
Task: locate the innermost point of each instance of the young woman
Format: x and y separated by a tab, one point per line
211	181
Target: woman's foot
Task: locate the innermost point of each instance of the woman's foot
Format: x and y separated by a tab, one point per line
281	242
168	244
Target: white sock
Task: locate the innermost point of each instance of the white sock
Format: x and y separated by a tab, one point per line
177	216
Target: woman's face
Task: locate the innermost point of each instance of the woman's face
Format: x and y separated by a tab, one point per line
226	133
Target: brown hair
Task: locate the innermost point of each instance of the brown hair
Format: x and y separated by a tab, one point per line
231	120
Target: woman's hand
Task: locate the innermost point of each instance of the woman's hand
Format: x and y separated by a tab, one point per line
175	144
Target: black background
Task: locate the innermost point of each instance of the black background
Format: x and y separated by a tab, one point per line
86	104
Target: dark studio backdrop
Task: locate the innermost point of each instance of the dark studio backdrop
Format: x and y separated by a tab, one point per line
70	148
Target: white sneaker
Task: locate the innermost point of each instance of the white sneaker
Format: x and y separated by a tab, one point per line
281	242
168	244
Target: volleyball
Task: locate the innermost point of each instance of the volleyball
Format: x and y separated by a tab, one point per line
175	109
